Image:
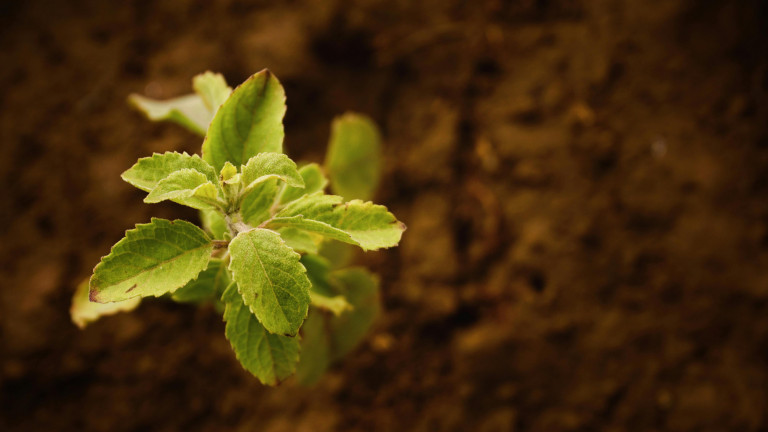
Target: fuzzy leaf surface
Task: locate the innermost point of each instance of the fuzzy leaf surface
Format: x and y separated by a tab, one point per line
227	172
354	156
370	225
151	260
256	206
185	186
298	240
311	206
265	166
314	181
271	279
210	283
214	223
248	123
212	89
365	224
269	357
311	226
83	311
147	172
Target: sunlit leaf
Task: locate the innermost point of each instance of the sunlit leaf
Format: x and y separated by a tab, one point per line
271	279
151	260
248	123
269	357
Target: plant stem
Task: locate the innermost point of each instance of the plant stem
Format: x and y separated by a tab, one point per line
236	225
220	244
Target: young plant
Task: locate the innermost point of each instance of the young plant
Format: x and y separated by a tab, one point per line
269	231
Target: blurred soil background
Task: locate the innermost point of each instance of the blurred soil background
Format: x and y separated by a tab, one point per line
585	185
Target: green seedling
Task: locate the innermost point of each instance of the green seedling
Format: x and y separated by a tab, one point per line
264	256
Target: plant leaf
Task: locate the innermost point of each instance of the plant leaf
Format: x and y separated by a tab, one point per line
256	207
193	111
214	223
339	254
210	284
314	181
212	89
365	224
185	186
249	122
271	279
322	293
298	240
354	156
370	225
311	226
315	349
148	171
265	166
151	260
188	111
227	172
361	288
83	311
326	338
269	357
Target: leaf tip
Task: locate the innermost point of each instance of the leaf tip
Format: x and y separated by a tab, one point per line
93	295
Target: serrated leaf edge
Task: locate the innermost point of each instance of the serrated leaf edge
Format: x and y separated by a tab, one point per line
303	271
92	292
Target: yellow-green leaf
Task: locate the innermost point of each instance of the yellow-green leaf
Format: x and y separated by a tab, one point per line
354	157
212	89
188	187
314	181
210	284
269	357
147	172
188	111
298	240
248	123
256	206
83	311
365	224
271	279
322	294
266	166
214	223
151	260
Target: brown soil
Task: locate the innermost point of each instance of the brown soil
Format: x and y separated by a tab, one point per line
585	185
